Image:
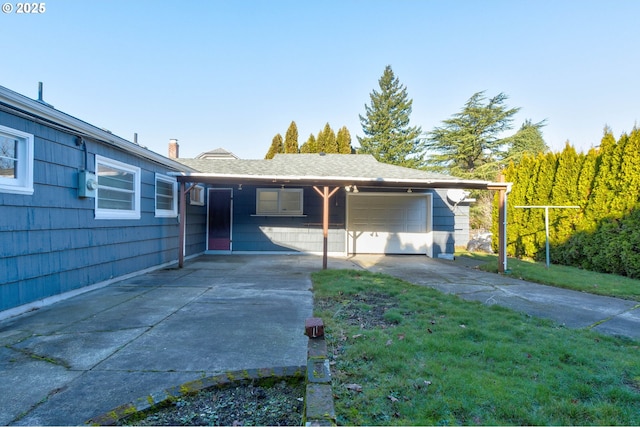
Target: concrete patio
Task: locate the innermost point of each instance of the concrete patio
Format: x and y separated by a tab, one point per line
79	358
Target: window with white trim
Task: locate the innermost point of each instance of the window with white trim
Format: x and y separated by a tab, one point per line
196	195
279	201
16	161
118	190
166	196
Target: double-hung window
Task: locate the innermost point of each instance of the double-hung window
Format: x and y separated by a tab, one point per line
166	196
118	190
16	161
279	201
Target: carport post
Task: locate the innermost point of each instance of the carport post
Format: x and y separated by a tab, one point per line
325	220
502	189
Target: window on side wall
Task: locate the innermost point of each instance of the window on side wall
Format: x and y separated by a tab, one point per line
279	201
118	190
166	196
16	161
196	195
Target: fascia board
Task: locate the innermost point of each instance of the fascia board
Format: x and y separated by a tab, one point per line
453	183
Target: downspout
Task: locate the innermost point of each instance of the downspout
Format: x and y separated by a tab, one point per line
183	221
183	224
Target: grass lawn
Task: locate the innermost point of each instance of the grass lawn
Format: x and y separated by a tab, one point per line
409	355
562	276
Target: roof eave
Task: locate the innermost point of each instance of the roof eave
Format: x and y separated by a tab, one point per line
340	181
45	112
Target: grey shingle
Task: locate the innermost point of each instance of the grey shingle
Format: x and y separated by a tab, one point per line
362	166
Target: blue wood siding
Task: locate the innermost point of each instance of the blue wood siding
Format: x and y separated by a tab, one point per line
443	224
50	242
253	232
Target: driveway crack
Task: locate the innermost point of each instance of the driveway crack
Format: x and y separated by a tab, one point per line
44	358
600	322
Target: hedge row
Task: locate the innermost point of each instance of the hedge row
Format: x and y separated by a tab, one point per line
604	233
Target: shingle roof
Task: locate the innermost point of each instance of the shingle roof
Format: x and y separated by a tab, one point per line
312	165
218	153
354	168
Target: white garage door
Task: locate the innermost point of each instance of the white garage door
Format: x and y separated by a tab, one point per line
389	223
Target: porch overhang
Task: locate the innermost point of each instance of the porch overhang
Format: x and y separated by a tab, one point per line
503	188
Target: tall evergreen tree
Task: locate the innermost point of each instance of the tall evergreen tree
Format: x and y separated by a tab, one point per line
310	146
470	144
565	193
388	135
277	146
326	141
528	140
585	182
291	139
344	141
629	175
604	182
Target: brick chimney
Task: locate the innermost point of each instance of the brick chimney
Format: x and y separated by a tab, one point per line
174	149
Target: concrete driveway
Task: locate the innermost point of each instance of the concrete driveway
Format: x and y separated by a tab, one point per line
73	360
612	316
69	362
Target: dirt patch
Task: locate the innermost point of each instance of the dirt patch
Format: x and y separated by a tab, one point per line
366	311
246	403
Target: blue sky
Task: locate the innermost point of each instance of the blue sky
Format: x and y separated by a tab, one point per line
232	74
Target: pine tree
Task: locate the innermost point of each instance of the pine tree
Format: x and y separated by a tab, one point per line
470	144
291	139
565	193
544	183
277	146
388	135
326	141
518	219
627	196
528	140
603	184
311	146
344	141
585	183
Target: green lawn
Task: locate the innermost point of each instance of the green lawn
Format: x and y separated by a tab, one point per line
562	276
409	355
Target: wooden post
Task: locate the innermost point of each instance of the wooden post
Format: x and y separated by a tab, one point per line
502	223
502	233
325	221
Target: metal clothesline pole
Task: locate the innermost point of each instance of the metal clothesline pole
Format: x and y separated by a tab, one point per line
546	222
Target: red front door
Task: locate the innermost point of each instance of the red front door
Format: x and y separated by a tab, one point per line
219	229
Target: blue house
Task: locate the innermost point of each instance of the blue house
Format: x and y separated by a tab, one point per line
81	207
277	206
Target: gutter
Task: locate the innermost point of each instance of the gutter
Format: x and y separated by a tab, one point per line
452	183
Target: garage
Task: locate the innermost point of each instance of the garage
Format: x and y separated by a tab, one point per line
389	223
